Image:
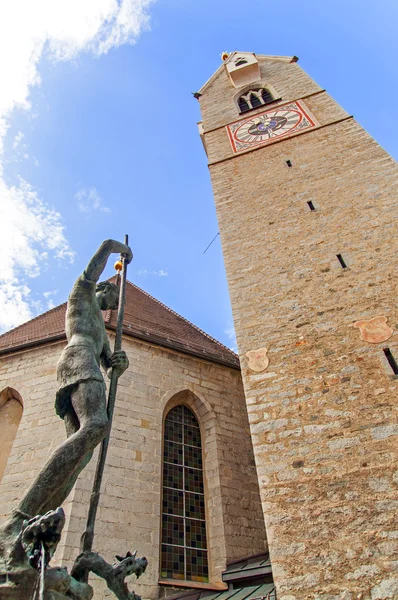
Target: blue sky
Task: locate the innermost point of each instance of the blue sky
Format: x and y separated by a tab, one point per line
99	137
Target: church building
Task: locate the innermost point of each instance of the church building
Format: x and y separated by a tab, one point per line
180	484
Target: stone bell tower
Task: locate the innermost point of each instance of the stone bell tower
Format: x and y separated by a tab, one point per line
307	210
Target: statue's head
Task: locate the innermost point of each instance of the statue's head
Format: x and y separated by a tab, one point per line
107	295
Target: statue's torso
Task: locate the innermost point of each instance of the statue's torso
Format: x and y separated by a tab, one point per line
84	321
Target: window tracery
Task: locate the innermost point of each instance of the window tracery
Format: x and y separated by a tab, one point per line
254	98
184	544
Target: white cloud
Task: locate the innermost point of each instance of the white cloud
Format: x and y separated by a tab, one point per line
17	139
50	301
62	29
89	201
143	272
231	335
51	293
31	230
59	29
20	148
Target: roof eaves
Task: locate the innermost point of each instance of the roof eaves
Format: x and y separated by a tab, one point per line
209	337
264	591
150	337
221	354
261	556
52	310
247	573
285	59
32	344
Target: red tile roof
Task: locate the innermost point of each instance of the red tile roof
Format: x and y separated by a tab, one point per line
145	318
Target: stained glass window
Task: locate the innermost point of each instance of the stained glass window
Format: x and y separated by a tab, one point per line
184	544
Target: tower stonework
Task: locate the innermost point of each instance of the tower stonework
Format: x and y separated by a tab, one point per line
307	210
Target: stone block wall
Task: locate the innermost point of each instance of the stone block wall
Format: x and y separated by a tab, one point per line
323	414
32	375
130	505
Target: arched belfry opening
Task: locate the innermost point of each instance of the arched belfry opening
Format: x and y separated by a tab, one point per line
184	541
11	409
252	97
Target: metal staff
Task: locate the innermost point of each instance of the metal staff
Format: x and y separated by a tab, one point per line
87	538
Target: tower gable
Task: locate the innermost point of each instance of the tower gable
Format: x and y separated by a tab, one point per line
287	80
145	318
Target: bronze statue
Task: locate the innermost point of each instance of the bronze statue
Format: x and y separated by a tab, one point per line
31	535
81	398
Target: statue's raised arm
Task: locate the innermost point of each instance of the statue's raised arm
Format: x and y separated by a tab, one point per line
98	262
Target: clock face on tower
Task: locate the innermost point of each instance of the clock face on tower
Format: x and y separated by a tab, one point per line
266	127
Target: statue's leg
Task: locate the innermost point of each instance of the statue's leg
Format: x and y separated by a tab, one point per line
89	403
71	421
12	527
72	425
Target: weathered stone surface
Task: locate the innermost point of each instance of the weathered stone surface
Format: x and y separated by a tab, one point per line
388	588
330	403
258	359
374	330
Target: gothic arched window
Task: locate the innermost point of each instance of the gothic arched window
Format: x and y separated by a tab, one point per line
255	101
10	417
254	98
243	105
184	545
266	96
